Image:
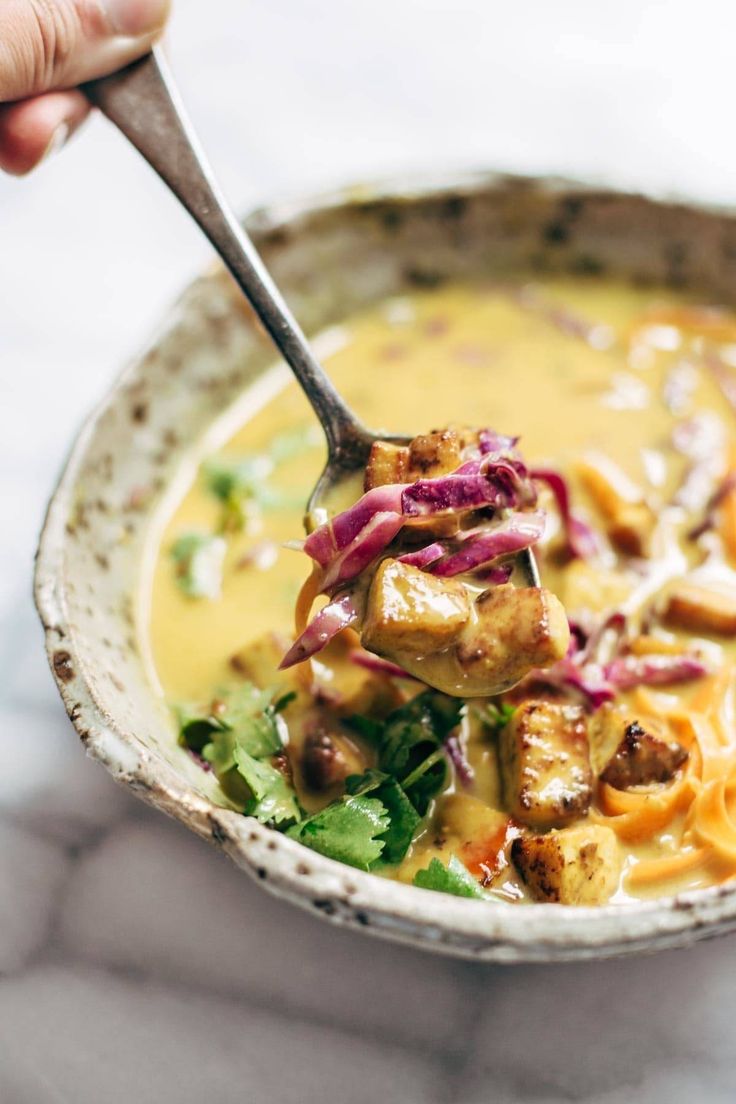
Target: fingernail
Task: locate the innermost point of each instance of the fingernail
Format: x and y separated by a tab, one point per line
58	140
135	17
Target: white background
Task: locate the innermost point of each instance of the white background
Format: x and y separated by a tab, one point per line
137	965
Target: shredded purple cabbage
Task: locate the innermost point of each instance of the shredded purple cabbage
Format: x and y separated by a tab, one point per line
491	477
490	441
423	557
379	666
481	545
708	520
456	755
499	483
199	760
495	574
375	536
582	542
332	619
589	681
626	672
595	668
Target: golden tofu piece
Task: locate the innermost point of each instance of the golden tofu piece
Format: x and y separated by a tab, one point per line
510	631
574	866
701	609
594	588
387	463
434	454
624	754
411	611
543	756
631	529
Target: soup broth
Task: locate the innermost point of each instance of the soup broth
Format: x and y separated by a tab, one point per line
623	391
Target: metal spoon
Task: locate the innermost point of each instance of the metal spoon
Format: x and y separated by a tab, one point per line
143	102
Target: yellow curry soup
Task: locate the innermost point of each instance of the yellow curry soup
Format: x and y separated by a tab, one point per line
619	390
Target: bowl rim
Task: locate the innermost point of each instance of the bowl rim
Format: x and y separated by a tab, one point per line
392	910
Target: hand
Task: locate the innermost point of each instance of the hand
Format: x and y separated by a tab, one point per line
49	46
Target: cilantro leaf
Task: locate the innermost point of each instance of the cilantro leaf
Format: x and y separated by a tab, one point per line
453	878
370	730
249	714
403	817
199	559
347	830
238	742
220	751
273	800
426	780
195	730
252	714
238	484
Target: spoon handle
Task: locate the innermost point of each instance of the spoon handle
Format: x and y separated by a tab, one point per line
143	102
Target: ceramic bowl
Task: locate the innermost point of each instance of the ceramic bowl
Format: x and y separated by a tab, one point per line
332	256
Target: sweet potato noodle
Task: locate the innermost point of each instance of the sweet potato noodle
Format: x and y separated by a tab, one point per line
432	718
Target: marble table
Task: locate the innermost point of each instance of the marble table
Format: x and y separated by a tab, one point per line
135	963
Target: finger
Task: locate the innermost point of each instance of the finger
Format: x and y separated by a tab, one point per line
30	130
48	44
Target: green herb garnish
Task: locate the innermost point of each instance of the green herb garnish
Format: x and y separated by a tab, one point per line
195	730
403	817
273	799
410	743
238	737
453	878
242	484
199	559
377	817
348	830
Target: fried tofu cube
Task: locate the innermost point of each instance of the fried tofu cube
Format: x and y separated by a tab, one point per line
631	529
258	662
624	753
545	769
409	610
594	588
387	463
574	866
434	454
509	631
701	609
514	630
629	520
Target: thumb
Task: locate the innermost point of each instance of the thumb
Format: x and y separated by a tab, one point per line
48	44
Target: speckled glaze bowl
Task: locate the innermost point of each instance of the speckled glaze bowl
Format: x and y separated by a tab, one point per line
332	256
